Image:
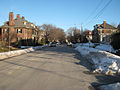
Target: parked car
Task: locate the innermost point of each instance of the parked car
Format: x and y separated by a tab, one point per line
52	44
58	43
69	44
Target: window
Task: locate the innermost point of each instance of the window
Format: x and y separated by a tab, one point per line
5	30
32	25
19	30
24	23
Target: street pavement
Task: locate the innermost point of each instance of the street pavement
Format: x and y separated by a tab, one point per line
52	68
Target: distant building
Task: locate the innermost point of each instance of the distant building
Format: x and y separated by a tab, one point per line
18	30
86	36
102	32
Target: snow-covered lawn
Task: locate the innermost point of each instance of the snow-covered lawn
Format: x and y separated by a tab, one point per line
104	62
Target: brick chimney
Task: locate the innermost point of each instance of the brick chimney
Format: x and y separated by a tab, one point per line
23	17
104	24
11	19
18	16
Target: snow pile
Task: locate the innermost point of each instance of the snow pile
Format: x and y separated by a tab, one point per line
105	47
76	45
19	52
104	62
115	86
14	53
89	44
24	47
84	44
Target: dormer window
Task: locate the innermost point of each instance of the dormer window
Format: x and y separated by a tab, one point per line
32	25
24	23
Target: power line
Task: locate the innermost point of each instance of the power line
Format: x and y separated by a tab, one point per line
99	13
96	8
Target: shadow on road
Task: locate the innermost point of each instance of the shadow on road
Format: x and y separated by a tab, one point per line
105	80
44	70
62	50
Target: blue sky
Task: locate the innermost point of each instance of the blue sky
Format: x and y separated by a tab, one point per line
62	13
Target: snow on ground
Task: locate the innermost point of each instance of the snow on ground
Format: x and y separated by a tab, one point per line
84	44
105	47
115	86
19	52
104	62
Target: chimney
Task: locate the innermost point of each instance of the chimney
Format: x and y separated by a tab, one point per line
23	17
18	16
104	24
11	19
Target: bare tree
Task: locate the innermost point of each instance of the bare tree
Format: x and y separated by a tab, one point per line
10	37
44	28
73	34
53	33
115	42
118	27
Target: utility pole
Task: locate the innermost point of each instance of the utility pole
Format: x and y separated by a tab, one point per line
81	32
2	35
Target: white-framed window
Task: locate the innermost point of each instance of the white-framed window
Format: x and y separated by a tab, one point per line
19	30
5	30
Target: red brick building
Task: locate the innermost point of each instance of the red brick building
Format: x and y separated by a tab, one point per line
18	30
102	32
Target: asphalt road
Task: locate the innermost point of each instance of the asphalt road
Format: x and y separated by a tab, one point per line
53	68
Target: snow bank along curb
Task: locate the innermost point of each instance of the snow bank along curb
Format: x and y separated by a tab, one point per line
104	62
115	86
19	52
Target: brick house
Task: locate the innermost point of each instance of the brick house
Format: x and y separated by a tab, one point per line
102	32
18	30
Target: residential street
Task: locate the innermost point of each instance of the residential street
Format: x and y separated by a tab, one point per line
52	68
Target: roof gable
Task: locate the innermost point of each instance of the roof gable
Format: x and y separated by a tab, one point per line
108	26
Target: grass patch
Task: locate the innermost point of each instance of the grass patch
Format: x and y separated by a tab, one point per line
6	49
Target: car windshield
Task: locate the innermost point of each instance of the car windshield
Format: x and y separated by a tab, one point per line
53	42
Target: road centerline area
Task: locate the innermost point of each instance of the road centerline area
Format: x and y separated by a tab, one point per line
54	68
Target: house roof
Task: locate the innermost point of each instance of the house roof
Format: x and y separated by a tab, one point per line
107	26
22	23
